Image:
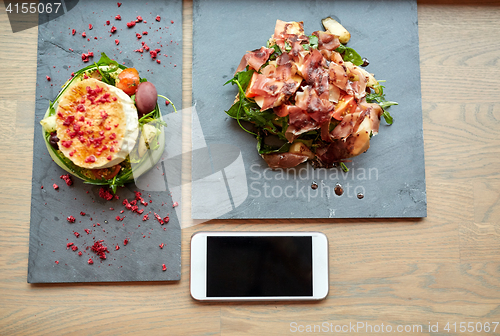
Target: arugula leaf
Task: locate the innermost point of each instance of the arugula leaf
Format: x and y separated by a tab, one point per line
379	98
105	77
277	51
313	41
244	78
242	105
266	149
349	55
387	117
105	60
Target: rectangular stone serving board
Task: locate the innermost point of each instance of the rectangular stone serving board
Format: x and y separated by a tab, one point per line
390	175
59	54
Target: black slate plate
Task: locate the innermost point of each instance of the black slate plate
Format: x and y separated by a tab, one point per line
59	54
390	175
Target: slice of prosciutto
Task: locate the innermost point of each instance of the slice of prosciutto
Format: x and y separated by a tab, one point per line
327	41
351	136
319	109
270	88
284	160
255	59
299	122
289	31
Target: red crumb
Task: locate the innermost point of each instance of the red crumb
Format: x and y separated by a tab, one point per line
90	261
158	61
57	261
67	179
71	219
118	17
99	249
125	242
68	245
80	253
163	267
145	217
130	24
108	22
166	219
144	33
117	248
117	42
161	245
76	234
113	30
55	186
90	26
139	18
153	53
87	231
158	18
48	78
139	36
104	193
159	219
119	219
175	204
119	4
84	34
73	32
82	213
41	187
167	102
74	248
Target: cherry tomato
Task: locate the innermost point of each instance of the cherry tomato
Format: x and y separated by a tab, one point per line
128	81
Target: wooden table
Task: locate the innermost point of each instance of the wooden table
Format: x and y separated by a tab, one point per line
445	268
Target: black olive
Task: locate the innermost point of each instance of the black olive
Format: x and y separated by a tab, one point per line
53	140
365	62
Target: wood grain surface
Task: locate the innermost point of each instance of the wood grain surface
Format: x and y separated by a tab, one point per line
445	268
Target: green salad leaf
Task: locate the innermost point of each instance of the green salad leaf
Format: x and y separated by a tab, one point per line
349	55
379	97
263	148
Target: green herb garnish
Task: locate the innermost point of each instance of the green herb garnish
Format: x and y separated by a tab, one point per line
349	55
379	97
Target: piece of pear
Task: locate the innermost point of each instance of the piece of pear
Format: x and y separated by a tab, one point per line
335	28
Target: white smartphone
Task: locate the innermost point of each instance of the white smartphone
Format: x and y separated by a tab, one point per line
258	266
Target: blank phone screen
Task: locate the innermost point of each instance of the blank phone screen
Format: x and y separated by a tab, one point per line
259	266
